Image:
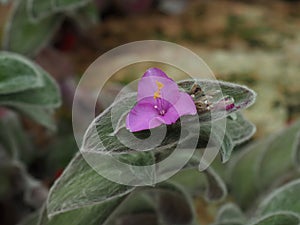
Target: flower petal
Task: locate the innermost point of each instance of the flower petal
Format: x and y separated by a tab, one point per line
156	72
159	101
155	80
143	116
184	106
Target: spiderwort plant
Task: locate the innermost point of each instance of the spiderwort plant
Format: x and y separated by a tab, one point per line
159	101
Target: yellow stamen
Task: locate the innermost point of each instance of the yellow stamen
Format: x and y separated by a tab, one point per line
156	95
159	87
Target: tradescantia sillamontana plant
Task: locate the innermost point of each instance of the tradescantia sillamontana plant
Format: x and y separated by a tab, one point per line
82	196
88	198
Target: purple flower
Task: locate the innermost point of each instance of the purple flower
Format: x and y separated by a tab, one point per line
159	101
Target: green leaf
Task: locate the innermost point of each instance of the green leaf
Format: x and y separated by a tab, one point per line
167	202
230	214
17	74
135	207
94	214
43	116
47	96
40	9
239	128
221	138
206	183
25	36
80	186
282	151
280	218
264	163
216	189
37	102
32	90
83	197
237	131
13	137
173	204
85	16
244	187
285	198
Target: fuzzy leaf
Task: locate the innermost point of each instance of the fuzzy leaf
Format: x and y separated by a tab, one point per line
39	9
47	95
80	186
13	137
25	36
135	207
40	115
230	214
263	163
37	99
85	16
37	103
281	218
216	189
244	188
174	205
281	151
94	214
239	128
237	131
166	203
17	74
285	198
220	138
206	183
